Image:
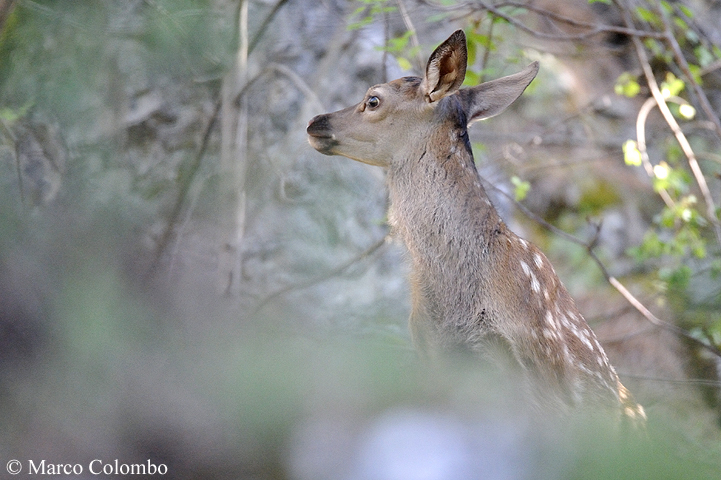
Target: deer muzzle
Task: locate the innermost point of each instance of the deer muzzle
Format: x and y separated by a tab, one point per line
320	134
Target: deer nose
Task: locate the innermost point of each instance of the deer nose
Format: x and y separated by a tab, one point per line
319	126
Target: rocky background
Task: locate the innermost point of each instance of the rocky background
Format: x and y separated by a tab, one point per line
184	281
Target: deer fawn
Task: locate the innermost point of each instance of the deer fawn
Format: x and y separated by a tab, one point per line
472	278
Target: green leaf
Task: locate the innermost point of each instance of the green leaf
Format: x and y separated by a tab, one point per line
479	149
472	78
686	111
681	23
372	9
631	154
522	187
704	56
716	51
398	44
690	33
677	278
672	86
685	10
11	115
627	85
696	74
404	63
667	7
646	15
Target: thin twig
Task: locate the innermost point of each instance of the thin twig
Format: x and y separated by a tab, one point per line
683	64
300	84
414	36
593	29
261	30
185	184
641	145
641	332
572	22
320	278
648	315
487	52
710	68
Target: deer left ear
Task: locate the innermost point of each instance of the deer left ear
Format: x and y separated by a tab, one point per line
491	98
446	68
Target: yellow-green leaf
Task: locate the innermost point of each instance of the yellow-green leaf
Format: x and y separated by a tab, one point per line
522	187
404	63
631	154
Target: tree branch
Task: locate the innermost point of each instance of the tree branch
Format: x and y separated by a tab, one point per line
322	277
593	29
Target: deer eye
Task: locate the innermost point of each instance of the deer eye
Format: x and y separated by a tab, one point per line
373	102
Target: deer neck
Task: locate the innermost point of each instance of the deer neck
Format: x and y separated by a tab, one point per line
440	210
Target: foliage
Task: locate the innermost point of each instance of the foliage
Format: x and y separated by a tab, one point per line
681	242
366	13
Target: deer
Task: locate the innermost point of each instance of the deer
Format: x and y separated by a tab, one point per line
473	281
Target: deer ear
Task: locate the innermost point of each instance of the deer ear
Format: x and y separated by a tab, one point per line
491	98
446	68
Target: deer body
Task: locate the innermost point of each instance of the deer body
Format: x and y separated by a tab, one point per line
472	278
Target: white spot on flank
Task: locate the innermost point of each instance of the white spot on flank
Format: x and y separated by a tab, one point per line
538	259
549	319
585	340
526	268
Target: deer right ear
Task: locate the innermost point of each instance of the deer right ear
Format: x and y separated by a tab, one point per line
446	68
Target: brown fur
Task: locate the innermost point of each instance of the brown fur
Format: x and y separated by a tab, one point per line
472	278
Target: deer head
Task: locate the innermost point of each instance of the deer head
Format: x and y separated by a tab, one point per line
379	129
